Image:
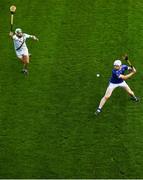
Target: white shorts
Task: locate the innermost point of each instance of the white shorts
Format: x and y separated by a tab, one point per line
21	52
112	86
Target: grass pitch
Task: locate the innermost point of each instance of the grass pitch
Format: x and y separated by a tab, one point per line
47	123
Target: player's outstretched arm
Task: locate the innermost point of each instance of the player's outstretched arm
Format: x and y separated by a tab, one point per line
124	77
34	38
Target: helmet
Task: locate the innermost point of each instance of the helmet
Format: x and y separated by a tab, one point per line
18	30
117	63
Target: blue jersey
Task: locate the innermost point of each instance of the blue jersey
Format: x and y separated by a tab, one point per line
116	73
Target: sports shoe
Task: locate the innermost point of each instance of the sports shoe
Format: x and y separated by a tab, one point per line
25	72
98	111
136	99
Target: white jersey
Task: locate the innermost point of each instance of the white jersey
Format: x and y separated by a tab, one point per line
20	41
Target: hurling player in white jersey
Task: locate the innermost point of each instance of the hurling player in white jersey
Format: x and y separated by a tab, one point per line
118	80
19	39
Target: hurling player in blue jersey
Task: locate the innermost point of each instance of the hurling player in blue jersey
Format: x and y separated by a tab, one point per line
118	80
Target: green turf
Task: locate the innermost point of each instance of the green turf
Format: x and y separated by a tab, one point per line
47	123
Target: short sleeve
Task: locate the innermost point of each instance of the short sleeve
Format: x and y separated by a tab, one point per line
125	67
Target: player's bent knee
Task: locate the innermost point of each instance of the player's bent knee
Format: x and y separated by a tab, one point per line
25	57
25	61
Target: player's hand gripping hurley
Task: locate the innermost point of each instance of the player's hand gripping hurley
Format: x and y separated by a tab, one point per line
126	58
